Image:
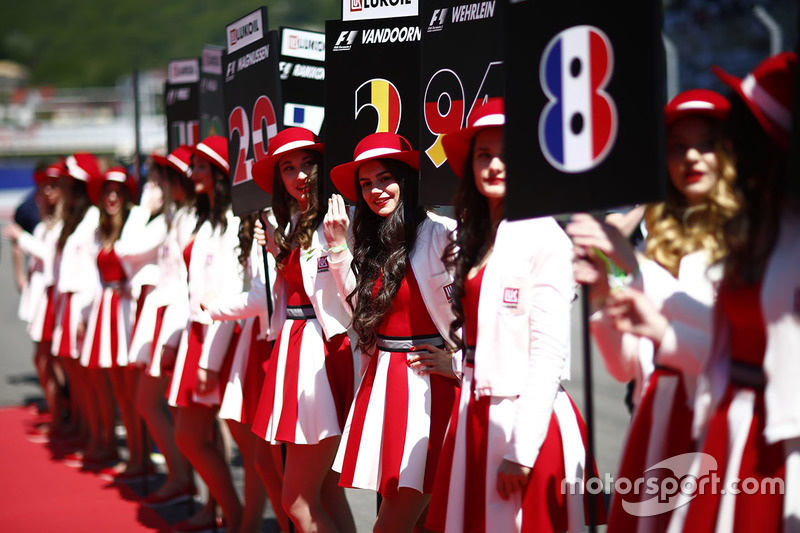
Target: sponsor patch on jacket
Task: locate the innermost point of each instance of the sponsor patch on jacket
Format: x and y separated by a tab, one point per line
322	264
511	297
448	292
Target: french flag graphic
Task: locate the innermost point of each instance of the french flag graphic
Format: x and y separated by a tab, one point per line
304	116
578	127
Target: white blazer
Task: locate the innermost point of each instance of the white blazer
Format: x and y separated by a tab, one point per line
523	348
435	281
250	303
686	302
77	264
780	304
214	266
139	255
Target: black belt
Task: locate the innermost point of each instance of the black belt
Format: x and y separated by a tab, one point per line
749	376
405	344
300	312
469	355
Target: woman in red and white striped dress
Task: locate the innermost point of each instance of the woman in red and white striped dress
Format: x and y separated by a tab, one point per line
748	468
105	352
205	343
310	375
399	296
164	317
515	444
76	283
40	247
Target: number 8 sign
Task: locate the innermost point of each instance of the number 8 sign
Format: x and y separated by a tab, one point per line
584	127
578	127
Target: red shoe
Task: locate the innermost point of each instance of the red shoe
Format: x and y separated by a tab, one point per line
155	501
184	526
73	460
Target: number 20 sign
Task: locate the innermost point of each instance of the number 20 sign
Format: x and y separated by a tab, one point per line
253	104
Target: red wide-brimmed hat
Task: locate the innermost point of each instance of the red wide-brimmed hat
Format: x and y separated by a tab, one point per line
117	174
768	92
458	144
696	102
83	167
180	159
56	170
214	149
158	159
381	145
282	143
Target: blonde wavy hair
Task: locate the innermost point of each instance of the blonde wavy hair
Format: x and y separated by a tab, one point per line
675	229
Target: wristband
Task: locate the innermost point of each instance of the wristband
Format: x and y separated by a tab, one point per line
337	249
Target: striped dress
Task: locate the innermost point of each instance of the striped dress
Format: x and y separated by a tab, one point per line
395	429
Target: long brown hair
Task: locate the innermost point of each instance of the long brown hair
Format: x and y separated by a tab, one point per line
467	246
285	205
76	204
761	164
222	202
675	229
381	251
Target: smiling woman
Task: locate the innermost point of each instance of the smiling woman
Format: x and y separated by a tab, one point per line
397	291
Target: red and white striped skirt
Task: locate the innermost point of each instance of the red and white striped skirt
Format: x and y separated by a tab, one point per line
308	386
43	320
661	428
144	324
747	465
108	331
246	378
395	430
465	496
197	337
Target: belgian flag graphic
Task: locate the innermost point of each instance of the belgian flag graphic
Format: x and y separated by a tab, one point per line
384	97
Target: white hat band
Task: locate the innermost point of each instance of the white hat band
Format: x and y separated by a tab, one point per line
75	170
376	152
695	104
294	145
178	163
116	175
213	155
769	105
490	120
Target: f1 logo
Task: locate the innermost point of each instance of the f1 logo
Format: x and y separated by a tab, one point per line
346	37
438	17
578	126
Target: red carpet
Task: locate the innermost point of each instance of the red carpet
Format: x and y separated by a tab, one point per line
38	493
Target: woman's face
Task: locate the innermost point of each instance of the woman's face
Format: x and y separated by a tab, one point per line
202	176
488	163
691	159
379	187
51	192
295	169
111	198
